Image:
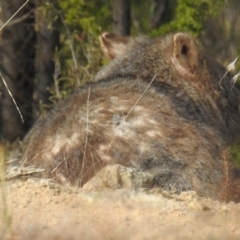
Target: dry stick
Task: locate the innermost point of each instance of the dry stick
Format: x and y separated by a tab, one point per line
58	165
20	19
0	72
12	97
13	15
87	130
131	110
44	150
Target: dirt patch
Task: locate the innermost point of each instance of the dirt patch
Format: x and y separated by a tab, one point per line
47	211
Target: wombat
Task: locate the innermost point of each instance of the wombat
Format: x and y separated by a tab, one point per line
160	106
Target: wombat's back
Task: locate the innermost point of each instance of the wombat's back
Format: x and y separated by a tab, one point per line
157	107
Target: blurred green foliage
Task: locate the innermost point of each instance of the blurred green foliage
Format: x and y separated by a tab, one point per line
78	57
190	16
89	16
80	22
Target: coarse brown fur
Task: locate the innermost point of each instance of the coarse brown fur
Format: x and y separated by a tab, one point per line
159	106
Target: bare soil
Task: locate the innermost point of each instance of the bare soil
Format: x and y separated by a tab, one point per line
39	210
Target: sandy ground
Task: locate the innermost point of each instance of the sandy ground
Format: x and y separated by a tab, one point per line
37	210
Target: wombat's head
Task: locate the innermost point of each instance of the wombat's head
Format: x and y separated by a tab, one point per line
177	61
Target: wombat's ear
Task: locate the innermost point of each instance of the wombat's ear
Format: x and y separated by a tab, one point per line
185	54
112	45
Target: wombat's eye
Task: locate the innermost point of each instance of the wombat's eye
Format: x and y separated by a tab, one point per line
184	50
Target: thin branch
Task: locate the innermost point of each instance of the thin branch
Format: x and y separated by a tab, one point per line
131	111
140	97
4	82
13	15
20	19
87	131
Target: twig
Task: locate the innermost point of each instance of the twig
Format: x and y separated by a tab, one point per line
16	172
131	111
18	20
44	150
4	82
140	96
13	15
87	130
